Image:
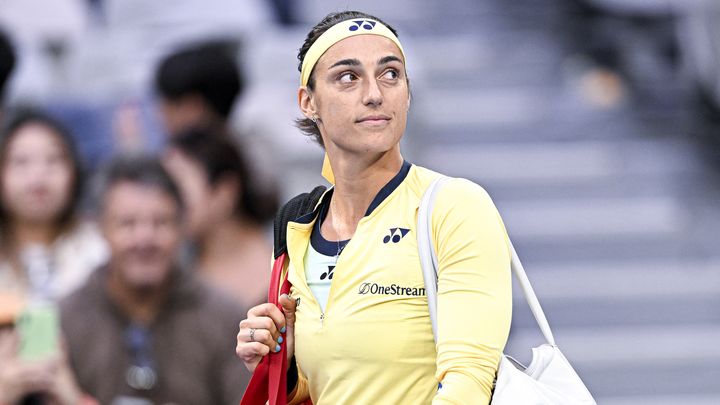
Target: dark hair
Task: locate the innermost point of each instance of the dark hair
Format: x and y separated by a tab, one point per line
7	61
24	117
138	169
220	157
306	125
207	69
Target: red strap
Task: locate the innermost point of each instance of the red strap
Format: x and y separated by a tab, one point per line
278	361
269	381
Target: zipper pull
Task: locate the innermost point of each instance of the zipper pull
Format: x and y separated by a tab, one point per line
322	318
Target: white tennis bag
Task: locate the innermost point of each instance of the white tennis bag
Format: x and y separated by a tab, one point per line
549	379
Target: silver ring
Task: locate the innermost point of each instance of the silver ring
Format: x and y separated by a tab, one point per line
252	335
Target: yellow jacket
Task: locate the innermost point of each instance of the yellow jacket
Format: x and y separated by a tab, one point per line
374	343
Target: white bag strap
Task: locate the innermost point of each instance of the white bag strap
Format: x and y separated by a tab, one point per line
429	262
428	258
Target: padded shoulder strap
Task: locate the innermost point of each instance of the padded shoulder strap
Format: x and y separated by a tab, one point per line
295	208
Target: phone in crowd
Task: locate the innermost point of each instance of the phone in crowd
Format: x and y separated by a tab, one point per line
39	330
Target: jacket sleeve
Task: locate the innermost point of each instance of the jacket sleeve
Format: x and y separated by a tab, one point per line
301	393
474	292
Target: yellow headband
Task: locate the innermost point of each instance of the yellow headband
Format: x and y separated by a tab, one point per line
333	35
337	33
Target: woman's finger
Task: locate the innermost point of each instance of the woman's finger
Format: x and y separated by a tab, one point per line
251	353
252	350
258	323
268	310
263	336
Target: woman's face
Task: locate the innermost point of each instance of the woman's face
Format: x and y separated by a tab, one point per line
361	95
206	205
37	175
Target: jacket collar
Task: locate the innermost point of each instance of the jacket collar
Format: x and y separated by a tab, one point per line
381	196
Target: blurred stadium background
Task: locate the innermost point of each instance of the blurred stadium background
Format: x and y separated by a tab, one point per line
594	124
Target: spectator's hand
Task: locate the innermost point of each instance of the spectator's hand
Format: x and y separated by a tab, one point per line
260	332
19	377
64	389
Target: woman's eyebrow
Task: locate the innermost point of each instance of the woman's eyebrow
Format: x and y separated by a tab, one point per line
388	59
346	62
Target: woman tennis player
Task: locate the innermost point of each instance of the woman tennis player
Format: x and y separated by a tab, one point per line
357	325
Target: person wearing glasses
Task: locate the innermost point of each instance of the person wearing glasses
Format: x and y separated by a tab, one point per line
357	325
142	330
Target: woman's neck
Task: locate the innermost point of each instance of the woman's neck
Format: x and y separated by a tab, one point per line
28	233
356	185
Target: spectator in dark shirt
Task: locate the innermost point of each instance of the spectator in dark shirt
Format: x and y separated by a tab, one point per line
142	330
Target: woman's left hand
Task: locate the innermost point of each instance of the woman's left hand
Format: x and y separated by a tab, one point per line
260	332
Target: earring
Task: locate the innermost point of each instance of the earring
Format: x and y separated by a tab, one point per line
314	119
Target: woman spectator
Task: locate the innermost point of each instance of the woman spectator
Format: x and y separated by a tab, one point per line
226	213
40	187
46	251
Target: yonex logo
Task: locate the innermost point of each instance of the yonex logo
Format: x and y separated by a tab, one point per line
392	289
396	234
328	274
366	24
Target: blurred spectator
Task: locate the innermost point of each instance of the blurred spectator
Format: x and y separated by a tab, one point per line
700	41
142	330
45	252
227	213
198	85
285	11
7	63
45	34
40	186
617	45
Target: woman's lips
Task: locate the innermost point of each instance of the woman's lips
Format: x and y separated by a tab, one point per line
39	193
374	120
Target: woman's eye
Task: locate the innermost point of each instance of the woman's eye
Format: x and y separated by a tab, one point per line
347	77
55	159
19	161
391	74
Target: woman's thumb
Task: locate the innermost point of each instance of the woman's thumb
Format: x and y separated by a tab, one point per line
288	306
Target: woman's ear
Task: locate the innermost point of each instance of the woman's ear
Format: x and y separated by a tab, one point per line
306	101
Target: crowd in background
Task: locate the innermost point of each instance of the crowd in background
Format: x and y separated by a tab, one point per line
623	48
139	227
124	272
